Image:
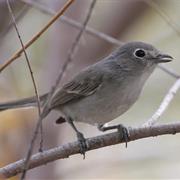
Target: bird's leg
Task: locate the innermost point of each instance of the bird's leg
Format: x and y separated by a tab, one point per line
123	131
80	137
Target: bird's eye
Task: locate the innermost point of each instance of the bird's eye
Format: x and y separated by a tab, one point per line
140	53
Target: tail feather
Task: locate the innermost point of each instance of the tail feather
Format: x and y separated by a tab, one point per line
26	102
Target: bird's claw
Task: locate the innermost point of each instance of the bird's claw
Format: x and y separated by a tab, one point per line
124	133
82	144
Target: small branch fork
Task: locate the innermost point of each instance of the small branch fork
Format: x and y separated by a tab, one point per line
97	142
35	37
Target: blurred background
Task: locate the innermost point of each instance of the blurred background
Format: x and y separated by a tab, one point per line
125	20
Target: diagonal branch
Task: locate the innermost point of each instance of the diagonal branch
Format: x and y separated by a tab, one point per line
72	50
164	105
97	142
169	71
163	14
23	11
35	37
26	56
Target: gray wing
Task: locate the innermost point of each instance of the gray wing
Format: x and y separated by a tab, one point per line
84	84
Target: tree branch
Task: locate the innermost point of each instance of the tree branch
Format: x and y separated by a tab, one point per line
165	103
97	142
36	36
163	14
26	56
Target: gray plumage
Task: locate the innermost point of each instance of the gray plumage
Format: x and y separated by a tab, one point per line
107	89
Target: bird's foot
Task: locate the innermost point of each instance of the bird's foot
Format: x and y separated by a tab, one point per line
122	130
82	143
123	133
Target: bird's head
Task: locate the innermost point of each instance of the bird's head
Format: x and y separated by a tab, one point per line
141	55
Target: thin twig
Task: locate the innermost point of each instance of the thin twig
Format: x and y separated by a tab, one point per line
164	105
163	15
39	123
92	31
26	56
29	67
75	24
169	71
25	8
35	37
64	151
72	51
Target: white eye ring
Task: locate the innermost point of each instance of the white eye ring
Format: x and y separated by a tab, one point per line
139	53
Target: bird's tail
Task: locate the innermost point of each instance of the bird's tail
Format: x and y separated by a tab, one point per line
26	102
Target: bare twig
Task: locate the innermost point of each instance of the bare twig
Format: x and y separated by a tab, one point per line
163	15
170	95
19	52
168	98
164	105
26	56
75	24
19	15
169	71
28	63
72	51
97	142
91	31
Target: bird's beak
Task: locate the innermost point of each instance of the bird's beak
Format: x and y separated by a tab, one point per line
163	58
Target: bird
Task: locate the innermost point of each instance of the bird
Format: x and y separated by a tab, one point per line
102	91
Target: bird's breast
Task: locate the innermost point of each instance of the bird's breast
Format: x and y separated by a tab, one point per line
106	104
